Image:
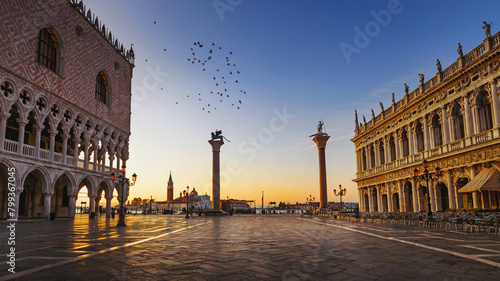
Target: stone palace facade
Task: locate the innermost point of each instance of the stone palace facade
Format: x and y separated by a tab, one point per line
65	95
453	121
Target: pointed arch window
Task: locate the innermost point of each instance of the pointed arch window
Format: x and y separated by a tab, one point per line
102	87
47	49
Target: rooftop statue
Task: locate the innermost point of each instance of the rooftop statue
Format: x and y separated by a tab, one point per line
438	64
460	53
487	29
407	89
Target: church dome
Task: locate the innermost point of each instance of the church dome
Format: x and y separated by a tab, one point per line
194	192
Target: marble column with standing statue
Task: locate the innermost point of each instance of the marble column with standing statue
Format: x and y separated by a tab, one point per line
216	142
321	138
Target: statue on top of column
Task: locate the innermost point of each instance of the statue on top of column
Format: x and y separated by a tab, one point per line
487	29
320	128
438	64
218	135
460	53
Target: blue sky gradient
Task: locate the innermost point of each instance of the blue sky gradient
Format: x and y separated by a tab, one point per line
290	59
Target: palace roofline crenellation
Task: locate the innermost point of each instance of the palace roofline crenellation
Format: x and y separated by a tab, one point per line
94	21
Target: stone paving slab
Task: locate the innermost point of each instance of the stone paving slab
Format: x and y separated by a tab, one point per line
245	247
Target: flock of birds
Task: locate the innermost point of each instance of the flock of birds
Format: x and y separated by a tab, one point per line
216	63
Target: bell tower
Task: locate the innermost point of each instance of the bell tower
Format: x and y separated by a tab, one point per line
170	188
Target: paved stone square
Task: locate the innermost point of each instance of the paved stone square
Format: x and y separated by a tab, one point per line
245	247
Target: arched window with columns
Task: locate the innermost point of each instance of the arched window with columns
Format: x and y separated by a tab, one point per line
404	140
381	152
419	133
372	155
363	159
484	117
392	148
457	122
436	130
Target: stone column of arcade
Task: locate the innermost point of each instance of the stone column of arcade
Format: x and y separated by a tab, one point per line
72	205
108	206
216	144
46	205
320	139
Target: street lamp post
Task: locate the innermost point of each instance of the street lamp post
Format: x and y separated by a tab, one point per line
122	180
426	176
187	201
340	194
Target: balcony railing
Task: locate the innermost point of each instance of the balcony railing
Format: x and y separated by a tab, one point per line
30	151
44	154
10	146
484	137
70	160
435	152
57	157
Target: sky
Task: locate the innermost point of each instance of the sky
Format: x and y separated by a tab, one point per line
300	62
